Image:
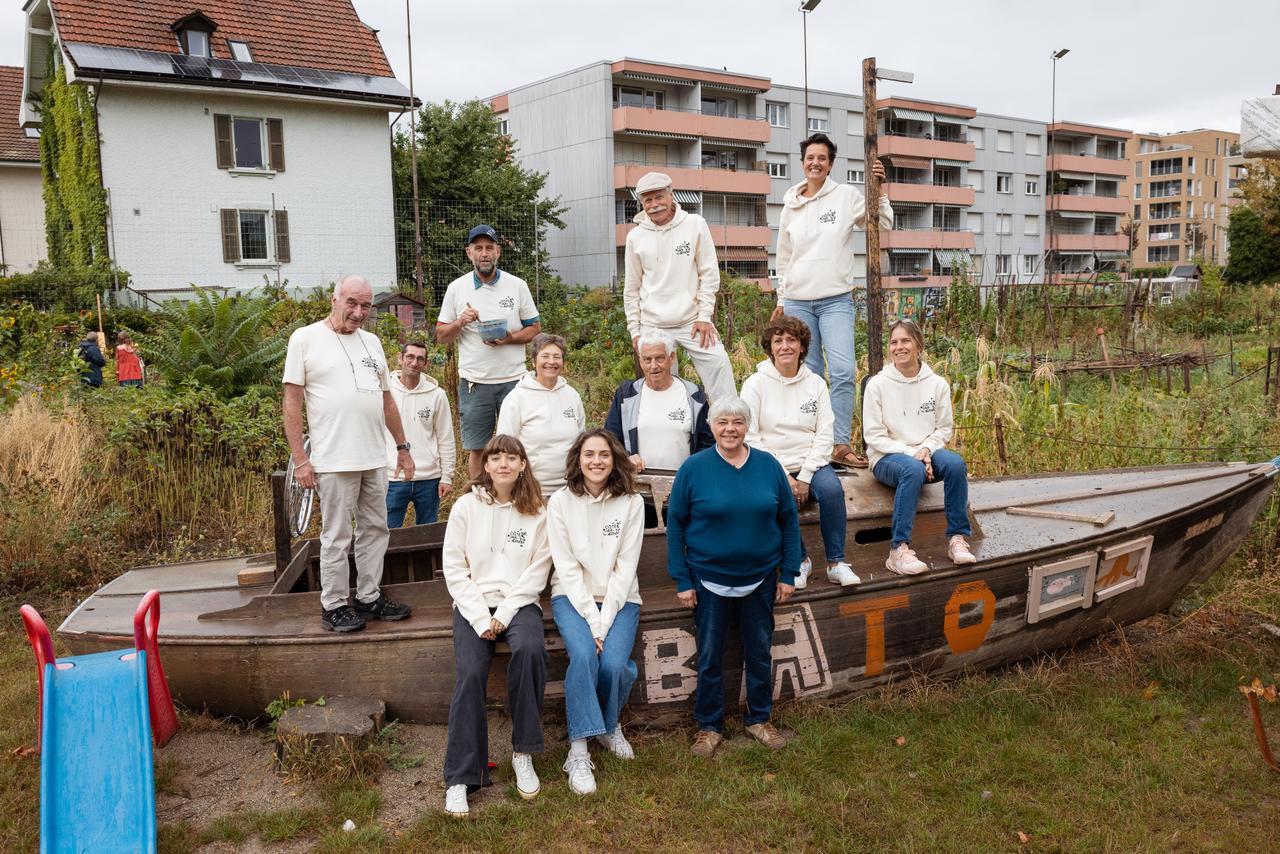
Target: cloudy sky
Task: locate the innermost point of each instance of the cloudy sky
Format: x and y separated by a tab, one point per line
1147	65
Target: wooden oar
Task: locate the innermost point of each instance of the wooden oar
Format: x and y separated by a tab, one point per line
1100	519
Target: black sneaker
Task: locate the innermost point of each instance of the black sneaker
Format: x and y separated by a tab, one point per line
383	609
342	619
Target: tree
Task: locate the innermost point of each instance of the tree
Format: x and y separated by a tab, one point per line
467	174
1252	255
1260	188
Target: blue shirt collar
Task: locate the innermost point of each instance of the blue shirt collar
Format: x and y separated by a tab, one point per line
475	278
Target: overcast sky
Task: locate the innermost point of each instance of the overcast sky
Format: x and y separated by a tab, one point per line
1145	65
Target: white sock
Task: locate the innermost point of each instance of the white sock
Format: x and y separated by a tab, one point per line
579	748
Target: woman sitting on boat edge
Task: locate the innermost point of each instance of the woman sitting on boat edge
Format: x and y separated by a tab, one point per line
907	422
595	525
496	559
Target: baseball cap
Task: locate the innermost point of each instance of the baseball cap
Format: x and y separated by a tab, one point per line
482	231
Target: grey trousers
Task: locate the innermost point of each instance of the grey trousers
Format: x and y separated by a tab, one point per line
346	496
466	759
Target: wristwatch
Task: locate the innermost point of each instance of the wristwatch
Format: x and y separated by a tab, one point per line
403	446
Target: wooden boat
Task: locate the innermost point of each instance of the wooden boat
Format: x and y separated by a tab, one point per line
1099	549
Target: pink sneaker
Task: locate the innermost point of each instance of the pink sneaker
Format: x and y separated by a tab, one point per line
903	561
959	552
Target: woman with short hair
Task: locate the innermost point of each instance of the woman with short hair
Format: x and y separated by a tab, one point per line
496	559
544	412
596	527
907	422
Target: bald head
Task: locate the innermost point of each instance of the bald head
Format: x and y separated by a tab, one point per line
352	299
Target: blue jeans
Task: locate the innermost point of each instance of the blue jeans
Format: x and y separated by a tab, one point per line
831	324
425	495
906	475
711	620
825	489
596	686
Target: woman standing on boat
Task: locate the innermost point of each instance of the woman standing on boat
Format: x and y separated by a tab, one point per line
544	412
596	526
733	548
496	561
907	422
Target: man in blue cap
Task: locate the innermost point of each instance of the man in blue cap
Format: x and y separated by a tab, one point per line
492	316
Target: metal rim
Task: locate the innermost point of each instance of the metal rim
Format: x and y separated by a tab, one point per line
301	500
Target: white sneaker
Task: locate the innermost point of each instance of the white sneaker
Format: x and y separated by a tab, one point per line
455	801
527	783
802	577
842	574
581	780
903	561
959	552
617	743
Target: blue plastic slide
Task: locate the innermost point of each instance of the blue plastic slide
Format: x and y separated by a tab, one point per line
97	788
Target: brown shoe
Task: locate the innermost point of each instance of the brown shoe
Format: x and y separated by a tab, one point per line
843	455
705	743
768	735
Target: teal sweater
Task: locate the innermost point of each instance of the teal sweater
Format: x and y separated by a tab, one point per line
731	526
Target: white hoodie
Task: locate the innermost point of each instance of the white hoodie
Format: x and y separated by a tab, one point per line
815	240
547	421
494	557
428	428
595	545
790	418
671	273
901	415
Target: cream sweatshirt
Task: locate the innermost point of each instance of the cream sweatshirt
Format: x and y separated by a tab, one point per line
494	557
671	273
815	255
428	428
901	415
547	421
790	418
595	544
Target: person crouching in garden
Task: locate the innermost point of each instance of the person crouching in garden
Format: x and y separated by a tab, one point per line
733	549
596	527
496	562
907	422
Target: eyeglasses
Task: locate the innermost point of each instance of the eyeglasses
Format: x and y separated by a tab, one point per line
374	366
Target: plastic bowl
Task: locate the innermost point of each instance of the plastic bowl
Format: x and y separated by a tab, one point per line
492	330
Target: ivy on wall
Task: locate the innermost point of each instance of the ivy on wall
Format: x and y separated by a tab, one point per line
75	204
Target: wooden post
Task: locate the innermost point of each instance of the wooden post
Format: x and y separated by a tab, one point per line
280	522
875	304
1000	449
1106	357
1186	372
1231	355
1168	380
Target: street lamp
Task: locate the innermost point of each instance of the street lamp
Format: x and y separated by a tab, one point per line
1053	118
806	6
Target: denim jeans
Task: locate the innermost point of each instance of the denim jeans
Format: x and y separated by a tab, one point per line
831	324
711	620
425	495
906	475
596	686
825	489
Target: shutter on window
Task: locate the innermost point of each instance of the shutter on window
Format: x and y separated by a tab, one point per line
230	235
222	141
282	237
275	144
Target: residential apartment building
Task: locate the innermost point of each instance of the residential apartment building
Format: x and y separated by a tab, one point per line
1183	190
1008	215
1086	178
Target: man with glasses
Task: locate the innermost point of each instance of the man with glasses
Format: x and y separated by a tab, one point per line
341	372
428	427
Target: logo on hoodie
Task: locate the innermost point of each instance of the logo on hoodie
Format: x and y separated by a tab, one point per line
810	406
570	413
677	414
612	529
684	249
507	302
425	413
518	536
828	217
927	406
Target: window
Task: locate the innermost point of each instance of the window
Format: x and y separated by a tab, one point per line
1004	140
1029	264
1004	265
1137	169
1160	189
977	135
1161	254
240	51
1199	192
253	235
1191	165
504	126
857	176
854	123
247	138
1168	166
1033	143
194	42
249	235
1033	186
719	159
1164	231
777	170
1004	223
777	113
818	123
974	221
975	179
727	107
634	96
1137	191
1003	182
1215	146
1215	195
1031	225
249	143
1137	211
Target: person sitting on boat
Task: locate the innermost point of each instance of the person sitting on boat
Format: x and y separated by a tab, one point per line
791	419
428	428
544	412
596	526
733	549
496	560
341	372
907	422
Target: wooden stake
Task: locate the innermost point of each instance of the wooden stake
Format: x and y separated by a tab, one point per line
102	336
1106	357
280	521
1000	449
1186	373
875	304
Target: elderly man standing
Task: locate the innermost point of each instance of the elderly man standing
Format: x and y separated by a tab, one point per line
490	362
671	281
341	372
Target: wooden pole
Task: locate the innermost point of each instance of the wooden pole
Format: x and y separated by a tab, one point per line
1186	373
102	336
280	522
875	303
1000	449
1106	357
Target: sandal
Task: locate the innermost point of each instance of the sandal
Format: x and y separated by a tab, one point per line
843	455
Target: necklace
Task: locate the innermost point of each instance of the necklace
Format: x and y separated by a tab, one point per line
372	362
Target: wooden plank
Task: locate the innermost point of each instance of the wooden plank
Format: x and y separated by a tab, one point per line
1100	519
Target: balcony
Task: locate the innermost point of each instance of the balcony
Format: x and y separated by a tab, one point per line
932	238
922	280
1085	163
723	235
912	146
1089	204
695	178
929	194
682	123
1088	242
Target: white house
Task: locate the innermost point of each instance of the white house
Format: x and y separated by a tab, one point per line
21	193
240	141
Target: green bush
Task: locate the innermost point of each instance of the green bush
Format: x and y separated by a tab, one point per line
60	290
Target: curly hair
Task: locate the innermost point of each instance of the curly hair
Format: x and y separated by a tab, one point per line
785	324
621	480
